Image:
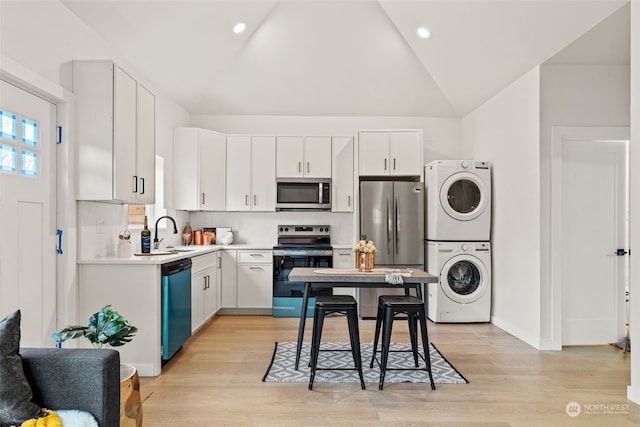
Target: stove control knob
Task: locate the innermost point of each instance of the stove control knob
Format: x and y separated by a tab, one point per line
281	229
326	229
286	229
321	229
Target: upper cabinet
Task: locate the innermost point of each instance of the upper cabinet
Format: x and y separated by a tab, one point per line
342	174
251	173
390	152
199	169
303	156
115	133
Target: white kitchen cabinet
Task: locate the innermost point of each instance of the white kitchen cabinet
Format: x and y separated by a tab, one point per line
229	279
115	134
390	152
344	258
199	169
255	279
204	289
342	174
303	157
251	162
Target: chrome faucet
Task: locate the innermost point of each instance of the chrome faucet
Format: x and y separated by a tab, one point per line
156	242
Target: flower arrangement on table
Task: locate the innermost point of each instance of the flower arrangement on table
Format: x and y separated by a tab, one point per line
365	247
365	250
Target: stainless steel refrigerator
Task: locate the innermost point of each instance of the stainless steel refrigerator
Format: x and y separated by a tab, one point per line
392	215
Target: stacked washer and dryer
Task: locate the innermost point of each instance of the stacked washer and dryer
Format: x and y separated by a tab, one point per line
457	240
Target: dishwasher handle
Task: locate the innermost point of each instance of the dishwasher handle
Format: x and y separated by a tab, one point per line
171	268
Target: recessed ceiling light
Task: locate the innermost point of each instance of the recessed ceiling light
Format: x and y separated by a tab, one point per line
424	33
239	27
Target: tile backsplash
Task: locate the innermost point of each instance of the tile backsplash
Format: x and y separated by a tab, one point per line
100	223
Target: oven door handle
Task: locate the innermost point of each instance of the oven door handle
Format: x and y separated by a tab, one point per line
307	252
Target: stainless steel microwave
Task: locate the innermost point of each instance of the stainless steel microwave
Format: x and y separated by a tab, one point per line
297	194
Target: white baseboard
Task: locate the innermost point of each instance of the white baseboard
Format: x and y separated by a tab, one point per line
516	332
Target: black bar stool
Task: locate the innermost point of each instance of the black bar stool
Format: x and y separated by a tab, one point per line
389	306
325	305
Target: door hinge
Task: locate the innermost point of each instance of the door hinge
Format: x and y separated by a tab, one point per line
59	135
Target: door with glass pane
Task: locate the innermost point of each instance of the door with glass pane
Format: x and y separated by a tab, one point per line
27	210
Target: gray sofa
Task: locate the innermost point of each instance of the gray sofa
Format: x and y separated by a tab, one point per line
82	379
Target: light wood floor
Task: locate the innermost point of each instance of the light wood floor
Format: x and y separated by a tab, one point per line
215	380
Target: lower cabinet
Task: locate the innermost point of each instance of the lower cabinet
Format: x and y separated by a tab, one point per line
229	279
255	279
204	288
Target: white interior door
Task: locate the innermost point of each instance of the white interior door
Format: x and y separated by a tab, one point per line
27	210
594	208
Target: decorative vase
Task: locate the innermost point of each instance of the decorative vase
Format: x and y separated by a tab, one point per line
124	248
186	234
364	261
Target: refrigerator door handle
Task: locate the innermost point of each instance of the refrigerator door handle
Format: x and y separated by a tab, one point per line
389	226
397	223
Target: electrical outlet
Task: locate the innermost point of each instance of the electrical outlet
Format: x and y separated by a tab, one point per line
100	226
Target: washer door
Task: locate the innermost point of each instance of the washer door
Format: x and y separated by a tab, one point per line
463	196
464	279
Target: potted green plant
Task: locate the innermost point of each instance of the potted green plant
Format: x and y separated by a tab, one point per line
105	328
108	328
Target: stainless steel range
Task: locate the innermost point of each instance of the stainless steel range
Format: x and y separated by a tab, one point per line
298	246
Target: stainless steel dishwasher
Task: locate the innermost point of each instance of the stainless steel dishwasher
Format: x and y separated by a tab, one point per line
176	306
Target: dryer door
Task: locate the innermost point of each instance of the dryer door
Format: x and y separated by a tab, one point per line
464	279
464	196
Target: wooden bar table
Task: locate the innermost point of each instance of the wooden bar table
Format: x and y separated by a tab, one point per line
350	278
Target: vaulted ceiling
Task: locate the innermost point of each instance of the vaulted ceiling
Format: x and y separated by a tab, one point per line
350	58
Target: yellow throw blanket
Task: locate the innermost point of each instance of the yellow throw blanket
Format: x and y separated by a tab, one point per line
50	420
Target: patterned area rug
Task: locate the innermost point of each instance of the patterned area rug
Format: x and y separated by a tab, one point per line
282	369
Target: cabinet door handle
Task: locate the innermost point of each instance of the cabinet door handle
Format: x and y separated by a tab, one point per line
254	200
204	287
348	200
385	164
394	163
256	268
246	200
135	183
203	198
344	254
308	170
299	167
142	181
258	255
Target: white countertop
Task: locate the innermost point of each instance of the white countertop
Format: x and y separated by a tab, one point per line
193	251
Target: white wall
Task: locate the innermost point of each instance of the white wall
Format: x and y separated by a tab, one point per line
571	95
505	130
633	392
43	37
